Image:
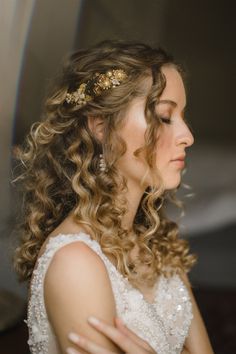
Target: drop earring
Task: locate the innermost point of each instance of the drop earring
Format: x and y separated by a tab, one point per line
102	163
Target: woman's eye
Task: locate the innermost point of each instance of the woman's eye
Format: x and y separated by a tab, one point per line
165	120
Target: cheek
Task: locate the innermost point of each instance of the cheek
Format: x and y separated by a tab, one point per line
164	146
133	134
133	167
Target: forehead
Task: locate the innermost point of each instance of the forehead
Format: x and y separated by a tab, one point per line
174	90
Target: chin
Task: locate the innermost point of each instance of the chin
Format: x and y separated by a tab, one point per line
170	183
173	184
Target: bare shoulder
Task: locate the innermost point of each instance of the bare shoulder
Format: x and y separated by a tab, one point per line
77	286
75	265
76	252
75	260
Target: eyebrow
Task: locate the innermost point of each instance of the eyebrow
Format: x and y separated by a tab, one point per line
173	103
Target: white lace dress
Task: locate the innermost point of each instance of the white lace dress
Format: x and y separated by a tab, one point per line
164	324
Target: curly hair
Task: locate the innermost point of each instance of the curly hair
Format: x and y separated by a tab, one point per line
59	167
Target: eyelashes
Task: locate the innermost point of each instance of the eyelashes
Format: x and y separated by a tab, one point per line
166	120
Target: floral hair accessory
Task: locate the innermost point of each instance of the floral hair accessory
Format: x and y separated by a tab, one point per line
95	86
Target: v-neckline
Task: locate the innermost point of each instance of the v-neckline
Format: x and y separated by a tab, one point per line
124	279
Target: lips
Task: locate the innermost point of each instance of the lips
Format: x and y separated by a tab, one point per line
179	158
179	161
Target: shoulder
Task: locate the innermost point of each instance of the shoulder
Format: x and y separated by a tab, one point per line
75	251
75	261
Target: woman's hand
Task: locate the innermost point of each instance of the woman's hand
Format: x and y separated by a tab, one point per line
123	337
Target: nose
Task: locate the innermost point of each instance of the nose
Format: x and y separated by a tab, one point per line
185	136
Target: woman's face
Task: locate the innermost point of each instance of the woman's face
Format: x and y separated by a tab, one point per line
174	135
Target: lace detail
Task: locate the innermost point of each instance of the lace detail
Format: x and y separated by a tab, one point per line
164	324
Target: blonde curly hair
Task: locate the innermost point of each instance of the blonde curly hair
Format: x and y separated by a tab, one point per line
59	162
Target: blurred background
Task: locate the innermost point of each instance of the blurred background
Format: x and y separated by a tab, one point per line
35	36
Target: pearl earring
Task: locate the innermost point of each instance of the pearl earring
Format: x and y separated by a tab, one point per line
102	163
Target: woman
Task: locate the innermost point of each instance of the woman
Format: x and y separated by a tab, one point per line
96	242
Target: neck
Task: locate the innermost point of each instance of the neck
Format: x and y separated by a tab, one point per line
133	196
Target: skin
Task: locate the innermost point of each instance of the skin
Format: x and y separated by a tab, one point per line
78	269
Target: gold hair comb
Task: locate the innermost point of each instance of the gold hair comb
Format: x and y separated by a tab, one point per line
95	86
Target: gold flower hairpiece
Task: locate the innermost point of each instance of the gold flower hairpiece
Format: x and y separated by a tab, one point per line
95	86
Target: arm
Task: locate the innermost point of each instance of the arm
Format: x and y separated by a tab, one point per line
121	335
76	286
197	341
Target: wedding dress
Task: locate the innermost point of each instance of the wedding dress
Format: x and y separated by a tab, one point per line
164	324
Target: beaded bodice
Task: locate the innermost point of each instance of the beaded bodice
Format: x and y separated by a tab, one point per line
164	324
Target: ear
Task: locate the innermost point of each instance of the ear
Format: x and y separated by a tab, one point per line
96	126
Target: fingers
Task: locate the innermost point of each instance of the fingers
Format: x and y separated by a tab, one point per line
72	351
115	335
122	340
121	326
85	344
122	336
